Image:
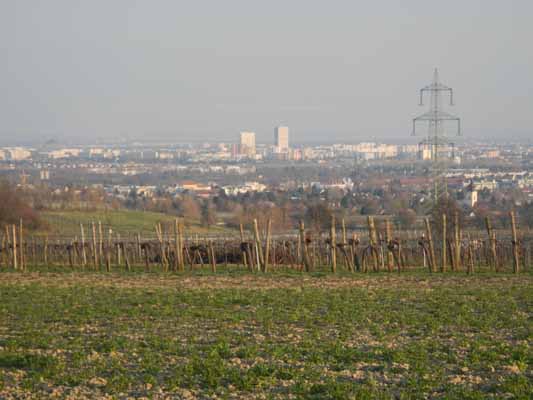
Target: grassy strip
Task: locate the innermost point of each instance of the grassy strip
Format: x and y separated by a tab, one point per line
124	222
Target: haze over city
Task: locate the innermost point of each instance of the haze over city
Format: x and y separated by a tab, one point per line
182	71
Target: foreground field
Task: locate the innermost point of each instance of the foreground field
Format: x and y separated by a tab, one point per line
88	335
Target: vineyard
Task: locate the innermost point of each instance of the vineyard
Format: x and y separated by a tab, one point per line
441	246
368	313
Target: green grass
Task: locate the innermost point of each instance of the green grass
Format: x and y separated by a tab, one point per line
124	222
418	336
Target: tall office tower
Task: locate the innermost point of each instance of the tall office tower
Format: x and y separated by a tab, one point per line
281	137
248	144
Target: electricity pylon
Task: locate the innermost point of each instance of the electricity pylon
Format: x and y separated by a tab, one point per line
436	142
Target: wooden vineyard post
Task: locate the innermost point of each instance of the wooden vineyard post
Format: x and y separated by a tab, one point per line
388	240
164	257
108	251
21	246
267	245
381	254
83	252
45	250
138	248
516	257
176	260
159	232
126	256
346	253
257	260
470	258
119	250
244	255
15	260
95	248
249	255
7	254
457	240
100	244
70	247
333	245
298	253
258	246
212	257
344	239
33	251
177	246
225	248
492	243
343	225
373	241
181	228
3	252
355	257
305	252
431	260
273	258
9	248
444	241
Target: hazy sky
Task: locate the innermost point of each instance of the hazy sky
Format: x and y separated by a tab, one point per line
331	70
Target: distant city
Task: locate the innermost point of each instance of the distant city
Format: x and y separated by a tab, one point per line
246	166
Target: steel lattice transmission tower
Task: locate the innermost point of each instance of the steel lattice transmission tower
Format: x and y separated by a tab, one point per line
436	145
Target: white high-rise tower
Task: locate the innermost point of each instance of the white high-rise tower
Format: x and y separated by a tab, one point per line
281	137
247	144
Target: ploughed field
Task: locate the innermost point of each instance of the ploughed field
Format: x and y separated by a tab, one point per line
281	335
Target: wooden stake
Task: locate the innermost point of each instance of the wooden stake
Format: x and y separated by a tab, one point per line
470	258
492	243
305	252
388	239
444	243
177	246
100	244
9	248
259	248
95	248
126	258
344	240
333	245
267	245
21	246
244	255
457	239
83	252
119	250
373	241
45	250
15	257
108	251
430	243
516	258
213	257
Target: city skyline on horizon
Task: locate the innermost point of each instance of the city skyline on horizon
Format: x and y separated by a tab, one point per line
262	139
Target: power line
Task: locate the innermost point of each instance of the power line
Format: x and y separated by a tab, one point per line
436	146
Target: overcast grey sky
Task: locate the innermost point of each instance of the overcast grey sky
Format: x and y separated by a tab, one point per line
331	70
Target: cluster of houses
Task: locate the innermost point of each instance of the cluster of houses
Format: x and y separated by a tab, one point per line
198	189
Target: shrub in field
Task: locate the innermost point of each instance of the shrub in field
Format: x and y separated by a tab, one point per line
13	208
